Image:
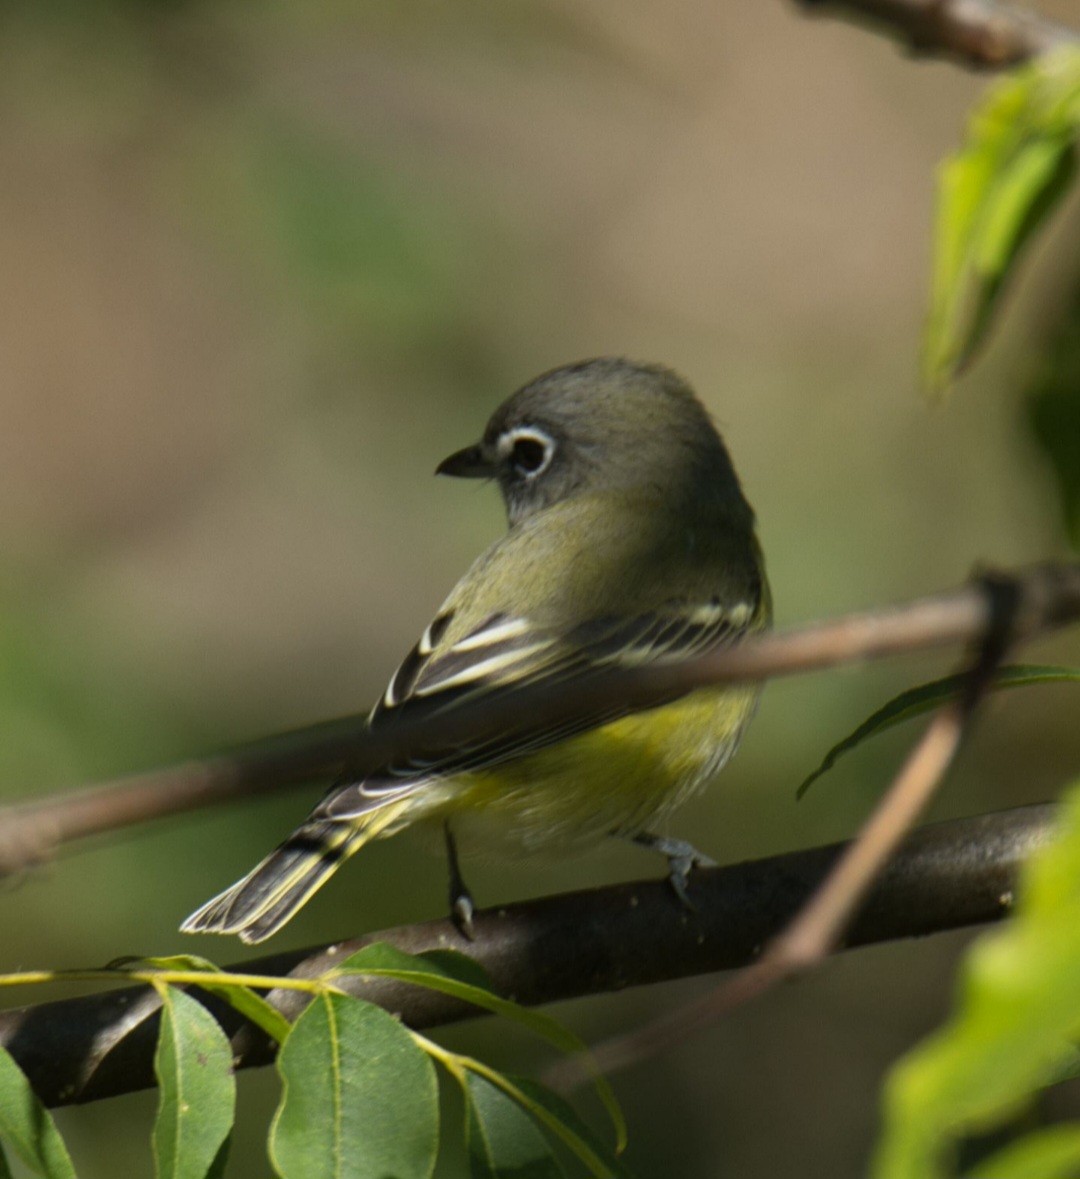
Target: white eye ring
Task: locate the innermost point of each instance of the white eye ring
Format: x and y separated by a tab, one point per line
528	450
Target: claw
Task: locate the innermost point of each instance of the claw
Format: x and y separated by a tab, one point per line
461	913
679	879
682	858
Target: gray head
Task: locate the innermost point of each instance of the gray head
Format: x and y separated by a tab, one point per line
599	425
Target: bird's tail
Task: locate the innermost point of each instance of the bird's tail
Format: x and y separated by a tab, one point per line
269	895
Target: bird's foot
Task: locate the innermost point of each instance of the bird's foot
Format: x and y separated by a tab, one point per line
682	858
461	902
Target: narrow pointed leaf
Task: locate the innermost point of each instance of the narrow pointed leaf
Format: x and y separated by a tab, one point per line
242	999
459	966
561	1119
197	1097
26	1126
502	1141
360	1098
926	697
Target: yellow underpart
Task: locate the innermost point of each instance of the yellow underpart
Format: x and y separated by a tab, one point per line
621	777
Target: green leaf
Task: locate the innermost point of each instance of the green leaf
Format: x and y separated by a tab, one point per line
1048	1154
457	965
360	1098
382	960
242	999
1014	1027
501	1140
184	962
5	1166
197	1098
926	697
27	1126
1017	163
562	1120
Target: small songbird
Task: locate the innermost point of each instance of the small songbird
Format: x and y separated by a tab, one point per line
630	542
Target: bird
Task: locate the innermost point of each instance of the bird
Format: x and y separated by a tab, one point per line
629	542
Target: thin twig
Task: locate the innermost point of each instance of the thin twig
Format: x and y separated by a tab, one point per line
817	929
983	34
1049	596
946	876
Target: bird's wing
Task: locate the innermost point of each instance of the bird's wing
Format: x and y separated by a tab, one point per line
506	654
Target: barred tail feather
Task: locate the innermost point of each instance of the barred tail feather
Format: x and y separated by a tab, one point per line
269	895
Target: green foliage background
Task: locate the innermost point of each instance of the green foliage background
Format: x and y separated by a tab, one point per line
262	270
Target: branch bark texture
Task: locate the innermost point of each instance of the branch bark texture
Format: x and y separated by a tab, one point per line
946	876
982	34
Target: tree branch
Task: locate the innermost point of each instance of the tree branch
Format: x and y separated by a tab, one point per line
982	34
1048	596
946	876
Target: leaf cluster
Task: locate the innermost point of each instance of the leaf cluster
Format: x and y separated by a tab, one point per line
359	1090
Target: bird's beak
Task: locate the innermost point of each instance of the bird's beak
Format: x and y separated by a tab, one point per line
466	464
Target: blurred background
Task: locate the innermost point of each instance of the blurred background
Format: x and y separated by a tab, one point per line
263	268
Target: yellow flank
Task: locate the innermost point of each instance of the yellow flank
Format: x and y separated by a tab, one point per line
620	778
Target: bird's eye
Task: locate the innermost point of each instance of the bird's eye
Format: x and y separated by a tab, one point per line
530	454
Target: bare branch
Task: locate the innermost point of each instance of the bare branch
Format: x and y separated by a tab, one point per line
982	34
946	876
1048	596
